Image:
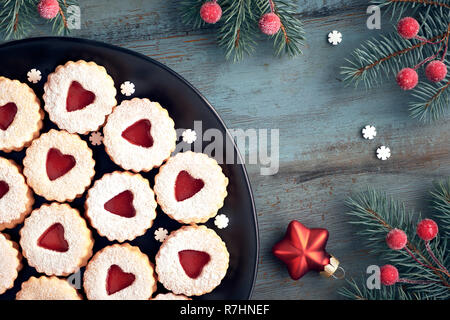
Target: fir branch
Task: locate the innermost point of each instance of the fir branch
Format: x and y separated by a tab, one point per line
431	100
19	17
441	203
59	23
239	31
291	37
355	291
376	214
190	13
391	53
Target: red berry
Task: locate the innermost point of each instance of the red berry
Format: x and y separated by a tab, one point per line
269	23
211	12
436	71
48	9
389	275
427	229
408	27
407	78
396	239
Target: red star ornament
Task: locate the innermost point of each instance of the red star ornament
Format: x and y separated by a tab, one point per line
303	249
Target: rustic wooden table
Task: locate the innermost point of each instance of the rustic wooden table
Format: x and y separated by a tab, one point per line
323	158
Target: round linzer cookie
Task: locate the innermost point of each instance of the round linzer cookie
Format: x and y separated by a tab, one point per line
47	288
121	206
139	135
10	262
170	296
55	240
79	95
119	272
16	198
192	261
190	187
20	115
59	166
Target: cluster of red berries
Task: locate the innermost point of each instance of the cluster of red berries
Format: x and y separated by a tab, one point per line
435	71
396	239
211	12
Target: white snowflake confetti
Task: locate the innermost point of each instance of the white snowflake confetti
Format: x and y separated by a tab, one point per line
127	88
34	76
221	221
369	132
335	37
189	136
96	138
383	153
161	234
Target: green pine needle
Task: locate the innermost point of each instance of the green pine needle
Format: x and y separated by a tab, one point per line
238	32
19	17
375	215
387	55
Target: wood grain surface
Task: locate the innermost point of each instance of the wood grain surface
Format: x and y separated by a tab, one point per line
323	158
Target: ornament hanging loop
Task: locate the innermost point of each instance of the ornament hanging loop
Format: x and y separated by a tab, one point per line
339	274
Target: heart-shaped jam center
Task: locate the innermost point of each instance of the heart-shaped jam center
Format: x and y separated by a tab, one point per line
139	134
58	164
4	188
78	98
117	279
187	186
122	205
7	115
193	262
53	239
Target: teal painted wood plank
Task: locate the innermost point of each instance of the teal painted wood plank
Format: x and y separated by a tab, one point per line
323	158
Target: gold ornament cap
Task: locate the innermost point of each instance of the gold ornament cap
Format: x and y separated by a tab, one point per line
330	269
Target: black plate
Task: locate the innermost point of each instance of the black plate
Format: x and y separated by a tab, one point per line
185	105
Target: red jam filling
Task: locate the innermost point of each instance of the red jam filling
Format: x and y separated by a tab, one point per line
58	164
7	115
53	239
193	262
4	188
186	186
78	98
139	134
117	279
122	205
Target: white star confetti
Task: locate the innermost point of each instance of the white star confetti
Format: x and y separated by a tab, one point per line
383	153
369	132
189	136
127	88
335	37
221	221
34	76
161	234
96	138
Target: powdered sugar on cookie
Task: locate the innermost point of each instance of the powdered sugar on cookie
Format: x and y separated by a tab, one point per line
201	239
157	127
17	199
76	234
83	78
139	199
202	205
132	262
